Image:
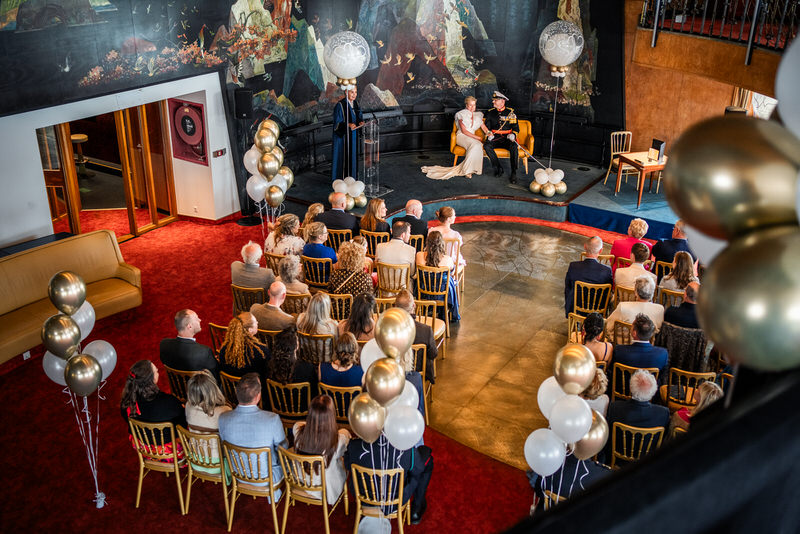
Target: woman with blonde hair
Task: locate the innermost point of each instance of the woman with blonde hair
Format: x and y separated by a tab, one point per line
682	273
468	121
204	403
284	239
349	277
705	394
317	317
622	247
447	216
362	241
311	213
374	218
595	395
241	350
289	271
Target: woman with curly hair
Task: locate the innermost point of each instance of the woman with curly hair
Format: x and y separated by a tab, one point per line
289	272
682	273
349	277
360	323
374	218
317	317
622	247
285	367
311	213
435	255
595	395
241	351
284	239
142	400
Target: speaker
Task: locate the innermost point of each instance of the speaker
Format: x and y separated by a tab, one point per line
243	103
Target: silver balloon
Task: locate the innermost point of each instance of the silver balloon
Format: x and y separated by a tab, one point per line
394	332
287	174
385	380
83	374
268	165
54	368
61	335
67	292
366	417
85	318
360	200
104	353
274	196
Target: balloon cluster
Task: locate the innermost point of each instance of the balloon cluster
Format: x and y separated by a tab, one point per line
389	405
572	421
346	54
354	189
270	179
64	363
548	182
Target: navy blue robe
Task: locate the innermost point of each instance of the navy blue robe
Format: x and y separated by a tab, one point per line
339	131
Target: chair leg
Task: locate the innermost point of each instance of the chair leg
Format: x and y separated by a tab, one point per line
188	490
232	507
224	498
427	406
141	479
346	500
401	516
325	513
287	495
525	164
455	160
358	514
607	172
274	513
180	489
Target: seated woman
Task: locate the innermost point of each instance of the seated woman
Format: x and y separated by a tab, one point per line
241	351
284	366
467	122
361	322
706	394
317	317
344	371
349	278
595	395
682	273
284	239
368	268
318	435
204	403
311	213
434	255
447	216
621	248
290	272
593	326
374	218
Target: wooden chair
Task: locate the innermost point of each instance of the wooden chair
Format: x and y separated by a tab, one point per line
267	337
384	303
337	237
273	260
177	382
228	387
575	328
551	499
602	365
420	352
620	143
607	259
432	285
392	278
244	297
668	297
627	262
589	298
426	314
679	389
622	333
204	459
217	333
724	380
251	474
317	271
629	443
417	241
340	306
624	294
342	397
677	431
663	268
524	138
289	401
379	493
621	379
296	304
373	240
453	249
304	485
148	440
315	348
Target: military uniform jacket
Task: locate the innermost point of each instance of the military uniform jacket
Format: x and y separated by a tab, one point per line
498	120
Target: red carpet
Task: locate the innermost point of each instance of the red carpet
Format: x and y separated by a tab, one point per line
115	220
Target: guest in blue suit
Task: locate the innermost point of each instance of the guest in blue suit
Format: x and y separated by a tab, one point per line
641	353
665	249
589	270
346	117
249	426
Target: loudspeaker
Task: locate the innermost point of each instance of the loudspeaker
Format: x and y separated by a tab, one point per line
734	110
243	103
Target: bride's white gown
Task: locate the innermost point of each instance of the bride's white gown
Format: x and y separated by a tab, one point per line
473	160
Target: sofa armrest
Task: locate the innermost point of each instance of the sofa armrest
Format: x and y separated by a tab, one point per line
130	274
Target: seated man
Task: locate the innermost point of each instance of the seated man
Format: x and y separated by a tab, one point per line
184	353
685	315
626	276
588	270
336	218
248	273
627	311
424	333
315	248
641	353
413	217
665	249
270	316
397	251
247	425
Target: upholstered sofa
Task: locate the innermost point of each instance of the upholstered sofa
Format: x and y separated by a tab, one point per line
524	138
111	285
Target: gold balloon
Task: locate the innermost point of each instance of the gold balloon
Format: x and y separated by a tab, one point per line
366	417
535	187
271	125
83	374
749	303
385	380
594	440
394	332
351	202
67	292
561	188
274	196
727	176
574	368
548	189
61	335
287	173
360	200
278	153
265	140
268	165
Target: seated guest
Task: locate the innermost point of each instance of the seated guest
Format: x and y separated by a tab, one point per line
361	241
595	395
285	367
397	251
682	273
290	271
627	311
361	322
640	353
413	217
424	333
315	248
349	277
336	218
622	247
311	213
345	369
270	316
317	317
704	396
318	435
184	353
249	273
685	315
283	239
142	400
625	276
447	216
588	270
374	219
593	472
435	255
592	329
665	249
205	403
249	426
242	352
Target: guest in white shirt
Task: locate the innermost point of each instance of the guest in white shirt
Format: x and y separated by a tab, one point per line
626	276
644	287
397	251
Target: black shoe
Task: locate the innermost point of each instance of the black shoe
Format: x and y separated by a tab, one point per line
499	171
416	515
513	177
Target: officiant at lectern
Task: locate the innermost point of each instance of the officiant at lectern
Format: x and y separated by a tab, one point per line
347	119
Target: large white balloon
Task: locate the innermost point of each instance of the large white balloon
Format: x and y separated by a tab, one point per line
556	176
346	54
549	392
105	355
370	352
561	43
54	368
85	317
250	160
408	397
339	186
544	452
358	187
349	180
786	83
256	188
705	248
404	427
571	418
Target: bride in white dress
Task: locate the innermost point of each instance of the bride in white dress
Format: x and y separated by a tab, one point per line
467	121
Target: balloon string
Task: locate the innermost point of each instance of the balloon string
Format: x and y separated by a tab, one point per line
261	216
100	497
577	465
553	132
580	482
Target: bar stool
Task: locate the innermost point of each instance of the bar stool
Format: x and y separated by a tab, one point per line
78	140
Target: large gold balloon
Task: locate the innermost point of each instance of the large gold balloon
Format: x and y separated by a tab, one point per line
749	303
278	153
351	202
360	200
271	125
83	374
61	335
385	380
274	196
727	176
394	332
366	417
561	188
594	440
574	368
548	189
67	292
287	173
535	187
268	165
265	140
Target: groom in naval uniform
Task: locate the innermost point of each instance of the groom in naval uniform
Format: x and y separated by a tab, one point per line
503	129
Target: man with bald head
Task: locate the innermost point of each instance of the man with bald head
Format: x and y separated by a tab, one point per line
270	316
336	218
589	270
413	217
685	315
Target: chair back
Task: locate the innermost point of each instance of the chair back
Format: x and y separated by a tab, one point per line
629	443
620	142
623	262
606	259
602	365
244	297
380	490
296	304
677	431
453	249
432	283
426	314
273	260
177	382
202	450
663	268
621	379
373	240
420	353
624	294
315	348
724	380
682	385
228	387
267	337
591	298
251	469
337	237
300	472
392	278
622	333
417	241
289	401
317	271
217	336
575	328
148	441
551	499
341	400
340	306
384	303
669	297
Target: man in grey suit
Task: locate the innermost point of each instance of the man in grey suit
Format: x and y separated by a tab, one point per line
270	316
250	426
248	273
397	251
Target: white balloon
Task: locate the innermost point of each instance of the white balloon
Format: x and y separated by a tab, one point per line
556	176
256	188
105	355
85	317
408	397
339	186
539	171
280	181
54	368
570	418
374	525
544	452
404	427
351	190
358	187
549	392
787	81
704	248
548	170
349	180
369	353
250	160
542	178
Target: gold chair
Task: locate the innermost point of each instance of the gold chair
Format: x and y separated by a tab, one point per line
575	328
342	397
622	333
204	459
384	303
420	352
417	241
273	260
663	268
602	365
677	431
296	304
244	297
607	259
629	443
373	240
217	333
267	337
668	297
340	306
379	493
251	474
432	285
724	380
524	138
426	314
177	382
228	387
620	143
551	499
679	390
148	441
337	237
305	482
317	271
315	348
589	298
289	401
624	294
453	249
392	278
627	262
621	379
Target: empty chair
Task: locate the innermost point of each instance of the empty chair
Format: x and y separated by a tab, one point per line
251	473
426	314
204	456
620	143
379	493
629	443
245	297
